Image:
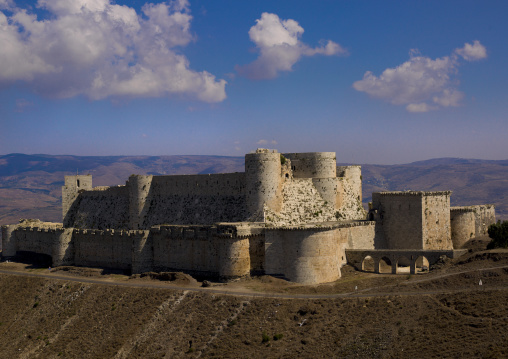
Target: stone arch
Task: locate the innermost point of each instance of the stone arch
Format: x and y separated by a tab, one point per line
385	265
403	264
368	264
422	264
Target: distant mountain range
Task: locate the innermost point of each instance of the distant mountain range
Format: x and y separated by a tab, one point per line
30	185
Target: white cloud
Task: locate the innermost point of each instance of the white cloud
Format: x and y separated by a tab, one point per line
473	52
98	49
419	81
280	48
418	107
6	4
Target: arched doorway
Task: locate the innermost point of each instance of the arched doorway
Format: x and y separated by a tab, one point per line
403	265
385	265
368	264
422	264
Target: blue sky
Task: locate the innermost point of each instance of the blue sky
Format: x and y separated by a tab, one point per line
375	81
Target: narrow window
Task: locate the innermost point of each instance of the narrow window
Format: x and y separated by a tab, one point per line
77	183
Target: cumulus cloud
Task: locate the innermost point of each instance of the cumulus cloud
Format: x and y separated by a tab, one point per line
279	46
6	4
422	84
473	52
99	49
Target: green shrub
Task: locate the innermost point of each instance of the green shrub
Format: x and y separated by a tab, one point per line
282	159
278	336
265	337
499	234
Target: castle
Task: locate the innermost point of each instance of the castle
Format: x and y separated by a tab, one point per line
294	215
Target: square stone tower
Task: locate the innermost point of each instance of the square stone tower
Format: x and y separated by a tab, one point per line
414	220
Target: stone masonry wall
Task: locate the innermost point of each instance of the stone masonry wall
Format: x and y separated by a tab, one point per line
462	221
100	208
190	248
195	199
108	248
72	187
301	203
485	215
303	255
263	176
359	235
313	164
401	216
436	221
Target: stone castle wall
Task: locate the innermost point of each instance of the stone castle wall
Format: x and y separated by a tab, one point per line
189	248
314	254
485	215
436	221
151	200
414	220
100	208
280	190
349	188
291	215
263	173
303	256
72	186
206	250
468	222
462	225
401	218
195	199
313	164
109	248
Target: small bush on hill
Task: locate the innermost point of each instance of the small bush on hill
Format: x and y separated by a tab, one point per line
499	234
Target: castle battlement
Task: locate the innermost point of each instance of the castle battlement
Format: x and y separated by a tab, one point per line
291	215
415	193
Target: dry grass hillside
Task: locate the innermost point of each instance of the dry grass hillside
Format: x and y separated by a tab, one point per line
85	313
30	185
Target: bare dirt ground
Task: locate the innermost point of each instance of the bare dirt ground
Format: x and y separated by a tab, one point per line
75	312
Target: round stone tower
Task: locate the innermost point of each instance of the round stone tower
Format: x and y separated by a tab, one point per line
234	257
63	248
9	244
139	187
263	181
462	221
313	164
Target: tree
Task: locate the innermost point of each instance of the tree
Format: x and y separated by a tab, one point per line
499	234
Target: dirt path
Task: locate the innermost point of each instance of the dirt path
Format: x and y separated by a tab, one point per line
379	291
